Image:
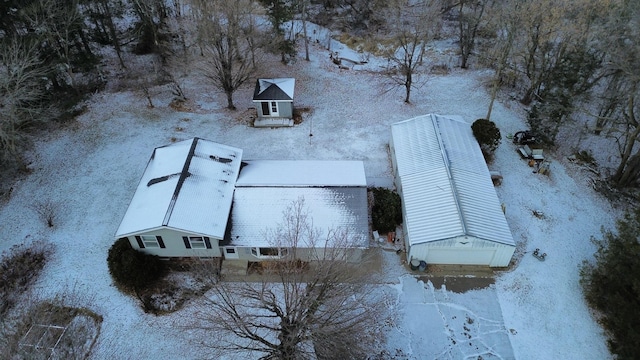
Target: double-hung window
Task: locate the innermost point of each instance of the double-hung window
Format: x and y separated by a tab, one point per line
149	241
196	242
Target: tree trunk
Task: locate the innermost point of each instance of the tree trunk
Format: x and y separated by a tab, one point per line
304	30
629	177
112	31
407	86
631	138
230	105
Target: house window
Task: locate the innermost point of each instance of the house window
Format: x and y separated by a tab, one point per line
230	250
274	107
197	242
150	241
269	252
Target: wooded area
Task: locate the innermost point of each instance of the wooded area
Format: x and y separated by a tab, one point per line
567	61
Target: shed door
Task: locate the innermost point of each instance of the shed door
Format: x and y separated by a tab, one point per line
265	108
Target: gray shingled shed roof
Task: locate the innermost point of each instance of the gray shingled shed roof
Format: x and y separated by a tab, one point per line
274	89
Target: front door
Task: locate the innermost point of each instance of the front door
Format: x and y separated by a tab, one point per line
266	108
230	252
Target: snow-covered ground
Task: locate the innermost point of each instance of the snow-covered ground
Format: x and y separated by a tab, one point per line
90	169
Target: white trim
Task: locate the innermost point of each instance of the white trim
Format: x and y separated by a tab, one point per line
282	252
274	108
230	252
199	244
150	241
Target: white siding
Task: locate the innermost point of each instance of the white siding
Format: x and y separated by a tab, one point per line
174	245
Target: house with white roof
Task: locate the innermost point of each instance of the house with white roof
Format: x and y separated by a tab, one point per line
198	198
451	212
181	205
273	99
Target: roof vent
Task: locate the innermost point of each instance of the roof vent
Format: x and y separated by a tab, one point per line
220	159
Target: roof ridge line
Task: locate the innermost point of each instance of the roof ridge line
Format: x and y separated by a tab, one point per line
183	176
447	163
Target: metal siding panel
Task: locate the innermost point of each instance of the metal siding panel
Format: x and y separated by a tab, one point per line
430	210
416	145
481	208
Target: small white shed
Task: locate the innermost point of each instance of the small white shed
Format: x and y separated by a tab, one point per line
273	99
451	211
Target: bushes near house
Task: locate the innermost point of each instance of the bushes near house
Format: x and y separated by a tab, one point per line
133	270
487	134
386	212
612	285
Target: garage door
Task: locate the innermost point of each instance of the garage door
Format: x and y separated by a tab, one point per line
460	256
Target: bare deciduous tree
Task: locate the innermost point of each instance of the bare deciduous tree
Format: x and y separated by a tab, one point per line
60	28
470	14
102	14
227	38
21	92
620	98
315	307
413	26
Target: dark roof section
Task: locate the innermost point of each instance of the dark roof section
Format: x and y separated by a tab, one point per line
272	92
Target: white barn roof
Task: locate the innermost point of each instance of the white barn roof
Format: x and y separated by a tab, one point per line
186	186
301	173
445	183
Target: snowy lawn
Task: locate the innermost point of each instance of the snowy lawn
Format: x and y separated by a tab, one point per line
90	168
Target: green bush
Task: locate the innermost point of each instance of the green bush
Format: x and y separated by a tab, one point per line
487	134
612	285
131	269
387	211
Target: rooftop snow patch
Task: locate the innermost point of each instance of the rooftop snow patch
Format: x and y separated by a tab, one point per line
274	89
188	186
259	210
301	173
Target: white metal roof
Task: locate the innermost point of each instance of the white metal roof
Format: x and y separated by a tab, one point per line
301	173
186	186
446	186
258	210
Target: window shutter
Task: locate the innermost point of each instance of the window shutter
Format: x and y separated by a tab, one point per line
160	242
140	243
207	242
187	244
